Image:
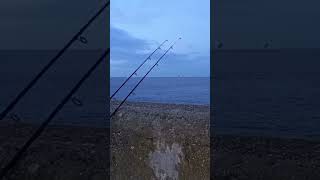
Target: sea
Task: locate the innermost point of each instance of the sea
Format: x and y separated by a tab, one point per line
89	105
172	90
254	92
267	92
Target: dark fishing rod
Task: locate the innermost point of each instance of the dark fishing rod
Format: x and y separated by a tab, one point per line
51	62
38	132
123	101
134	72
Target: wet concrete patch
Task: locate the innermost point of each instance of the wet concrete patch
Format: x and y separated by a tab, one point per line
166	160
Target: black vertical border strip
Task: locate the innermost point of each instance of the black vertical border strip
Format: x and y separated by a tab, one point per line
212	62
108	135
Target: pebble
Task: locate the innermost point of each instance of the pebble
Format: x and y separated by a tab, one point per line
99	176
33	168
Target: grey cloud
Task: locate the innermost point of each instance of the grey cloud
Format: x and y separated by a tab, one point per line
124	49
121	40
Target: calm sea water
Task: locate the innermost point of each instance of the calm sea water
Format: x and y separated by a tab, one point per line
274	93
176	90
17	68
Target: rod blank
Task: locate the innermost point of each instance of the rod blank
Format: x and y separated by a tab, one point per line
51	63
44	124
123	101
135	72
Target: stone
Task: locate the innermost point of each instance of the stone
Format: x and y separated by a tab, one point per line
33	168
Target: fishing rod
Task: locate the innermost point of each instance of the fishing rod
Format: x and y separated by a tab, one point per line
51	62
134	72
38	132
123	101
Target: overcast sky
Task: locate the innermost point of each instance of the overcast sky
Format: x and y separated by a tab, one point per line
138	27
249	23
49	24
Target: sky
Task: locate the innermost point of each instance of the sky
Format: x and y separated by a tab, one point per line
50	24
249	23
138	27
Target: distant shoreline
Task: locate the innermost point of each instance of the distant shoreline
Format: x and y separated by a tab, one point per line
117	101
164	77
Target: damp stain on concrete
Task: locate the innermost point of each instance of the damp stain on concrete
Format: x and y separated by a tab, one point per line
166	160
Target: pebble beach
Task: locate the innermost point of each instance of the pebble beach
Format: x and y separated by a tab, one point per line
156	141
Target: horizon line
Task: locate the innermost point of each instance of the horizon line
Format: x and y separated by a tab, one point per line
161	76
